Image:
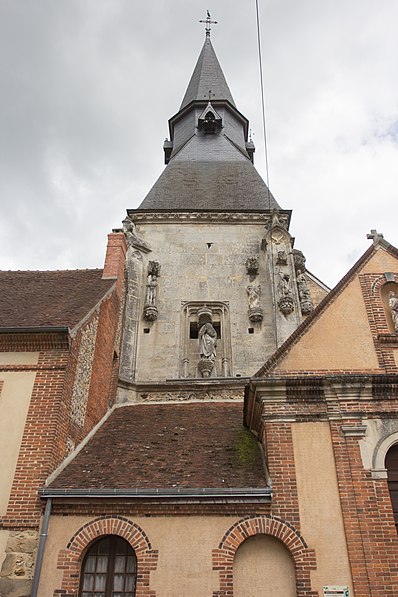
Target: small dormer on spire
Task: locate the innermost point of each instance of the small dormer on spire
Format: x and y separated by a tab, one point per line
210	122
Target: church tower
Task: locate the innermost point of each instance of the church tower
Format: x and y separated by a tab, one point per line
214	284
189	420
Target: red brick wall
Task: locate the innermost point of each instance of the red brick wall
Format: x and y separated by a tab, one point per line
37	456
368	519
115	258
48	424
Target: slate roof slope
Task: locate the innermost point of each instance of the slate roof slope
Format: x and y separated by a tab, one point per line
207	75
210	186
167	445
36	299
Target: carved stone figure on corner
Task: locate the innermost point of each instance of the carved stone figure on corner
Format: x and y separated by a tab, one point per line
253	297
299	260
132	239
304	294
393	304
286	303
207	349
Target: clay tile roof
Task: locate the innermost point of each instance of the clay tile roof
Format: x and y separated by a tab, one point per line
167	445
35	299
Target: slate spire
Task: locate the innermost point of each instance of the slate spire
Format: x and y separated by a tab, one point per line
207	77
208	155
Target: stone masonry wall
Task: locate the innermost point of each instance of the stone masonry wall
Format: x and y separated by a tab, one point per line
203	261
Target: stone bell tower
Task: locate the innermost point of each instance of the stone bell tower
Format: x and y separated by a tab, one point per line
214	285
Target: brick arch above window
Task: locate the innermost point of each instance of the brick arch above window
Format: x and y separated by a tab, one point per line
303	557
379	456
70	559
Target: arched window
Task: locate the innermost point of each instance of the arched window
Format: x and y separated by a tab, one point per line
109	569
392	476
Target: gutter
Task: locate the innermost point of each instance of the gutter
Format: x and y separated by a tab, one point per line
34	330
263	493
40	551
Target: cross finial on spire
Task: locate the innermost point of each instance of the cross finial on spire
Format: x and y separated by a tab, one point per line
208	22
209	95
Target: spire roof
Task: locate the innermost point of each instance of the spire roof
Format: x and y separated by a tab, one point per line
209	169
207	77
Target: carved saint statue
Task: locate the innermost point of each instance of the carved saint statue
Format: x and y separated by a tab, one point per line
207	341
253	295
393	304
151	290
303	291
304	294
284	284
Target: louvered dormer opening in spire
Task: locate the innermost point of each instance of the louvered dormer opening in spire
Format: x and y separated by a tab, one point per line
209	122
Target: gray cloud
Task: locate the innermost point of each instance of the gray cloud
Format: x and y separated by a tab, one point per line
88	87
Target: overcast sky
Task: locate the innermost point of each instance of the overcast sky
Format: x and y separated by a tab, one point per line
87	88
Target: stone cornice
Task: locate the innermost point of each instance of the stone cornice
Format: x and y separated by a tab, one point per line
204	216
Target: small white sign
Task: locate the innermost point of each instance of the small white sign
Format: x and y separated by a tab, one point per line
333	591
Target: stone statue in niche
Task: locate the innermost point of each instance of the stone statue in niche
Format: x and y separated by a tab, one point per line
252	266
132	239
207	342
150	308
285	302
304	294
207	348
253	297
393	304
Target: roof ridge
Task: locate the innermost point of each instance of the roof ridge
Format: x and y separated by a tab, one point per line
50	271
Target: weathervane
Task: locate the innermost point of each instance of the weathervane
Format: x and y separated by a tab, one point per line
208	22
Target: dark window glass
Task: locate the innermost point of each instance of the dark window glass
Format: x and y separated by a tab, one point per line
392	472
109	569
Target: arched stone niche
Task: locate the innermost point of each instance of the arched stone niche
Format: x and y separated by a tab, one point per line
380	435
229	568
385	292
263	566
190	326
